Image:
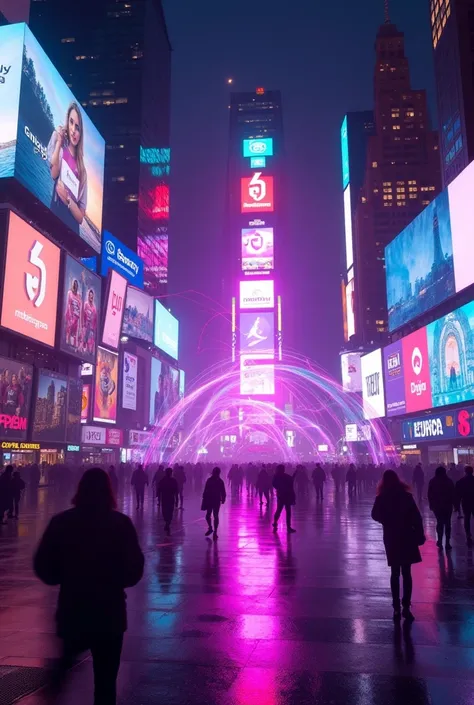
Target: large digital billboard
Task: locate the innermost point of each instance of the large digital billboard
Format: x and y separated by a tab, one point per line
30	285
50	416
416	371
257	249
257	375
351	372
345	153
348	228
51	145
419	264
164	389
138	315
350	306
257	294
117	256
16	380
451	356
74	411
114	311
458	423
80	311
394	379
461	206
257	194
129	381
262	147
166	334
257	332
372	385
85	402
156	390
106	386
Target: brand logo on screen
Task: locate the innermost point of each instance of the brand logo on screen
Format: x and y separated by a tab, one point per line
257	297
39	147
117	303
110	247
256	221
417	361
257	193
373	384
394	364
257	147
94	436
18	423
464	424
257	187
428	428
4	71
36	285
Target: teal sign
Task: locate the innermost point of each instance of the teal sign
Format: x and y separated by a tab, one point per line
259	147
345	154
258	162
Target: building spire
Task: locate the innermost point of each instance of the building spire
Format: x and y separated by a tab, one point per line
387	12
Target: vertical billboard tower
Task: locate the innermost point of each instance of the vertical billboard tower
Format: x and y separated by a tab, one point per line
254	223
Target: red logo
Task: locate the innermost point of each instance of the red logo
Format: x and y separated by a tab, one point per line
464	423
257	194
16	422
417	371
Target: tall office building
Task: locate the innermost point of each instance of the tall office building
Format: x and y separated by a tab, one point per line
116	58
452	26
402	176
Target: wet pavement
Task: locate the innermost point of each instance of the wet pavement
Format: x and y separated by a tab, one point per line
256	618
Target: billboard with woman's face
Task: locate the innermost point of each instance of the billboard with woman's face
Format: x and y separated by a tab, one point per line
46	140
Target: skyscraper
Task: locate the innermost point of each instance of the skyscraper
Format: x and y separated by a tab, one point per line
402	176
116	58
452	26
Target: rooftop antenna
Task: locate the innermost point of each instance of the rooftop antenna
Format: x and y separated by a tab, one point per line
387	12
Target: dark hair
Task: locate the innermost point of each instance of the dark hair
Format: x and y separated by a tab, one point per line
390	482
169	472
9	468
94	491
216	472
280	468
440	472
468	469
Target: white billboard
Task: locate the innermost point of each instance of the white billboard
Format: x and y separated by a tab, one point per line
372	385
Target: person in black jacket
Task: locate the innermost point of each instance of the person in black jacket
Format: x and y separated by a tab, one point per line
168	493
403	533
213	496
286	498
441	501
92	553
17	488
464	498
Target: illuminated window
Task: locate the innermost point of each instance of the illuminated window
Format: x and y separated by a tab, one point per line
376	190
387	190
401	203
400	183
387	203
374	165
412	182
118	178
68	40
410	113
387	183
413	195
132	198
395	127
400	190
425	203
81	58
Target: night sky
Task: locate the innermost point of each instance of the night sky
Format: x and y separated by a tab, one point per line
321	56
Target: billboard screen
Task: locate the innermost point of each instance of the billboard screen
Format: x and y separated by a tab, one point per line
106	386
156	390
416	370
419	264
262	147
257	194
74	411
16	380
86	402
461	206
345	153
394	379
458	423
350	306
257	249
117	256
50	414
53	148
80	311
129	381
30	285
372	385
257	332
351	372
348	228
451	356
257	375
138	315
166	334
114	310
164	389
256	295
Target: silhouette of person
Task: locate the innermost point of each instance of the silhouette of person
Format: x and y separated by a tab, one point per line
283	484
419	480
263	485
441	501
168	493
319	478
139	481
213	496
464	498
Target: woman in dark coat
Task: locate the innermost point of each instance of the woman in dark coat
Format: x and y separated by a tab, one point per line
403	533
213	496
92	553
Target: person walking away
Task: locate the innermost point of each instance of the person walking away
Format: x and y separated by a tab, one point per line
283	484
6	497
419	481
263	485
213	496
159	475
168	493
180	477
319	478
403	533
351	479
92	552
113	480
441	500
139	481
464	497
17	488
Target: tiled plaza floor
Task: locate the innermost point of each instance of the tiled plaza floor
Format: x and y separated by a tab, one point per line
257	618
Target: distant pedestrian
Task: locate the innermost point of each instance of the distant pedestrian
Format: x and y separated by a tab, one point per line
441	500
168	493
139	481
419	481
319	478
283	484
464	497
159	475
263	485
403	533
113	480
351	479
92	553
6	497
17	489
180	477
213	496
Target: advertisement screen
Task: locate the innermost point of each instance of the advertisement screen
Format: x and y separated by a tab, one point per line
458	423
114	310
129	381
164	389
50	416
156	390
461	205
74	411
106	386
372	385
153	250
87	370
256	295
351	372
257	194
138	315
257	249
394	379
451	356
80	311
257	375
345	153
416	370
257	332
166	335
348	228
117	256
258	162
58	154
419	264
350	307
258	148
30	291
85	402
16	380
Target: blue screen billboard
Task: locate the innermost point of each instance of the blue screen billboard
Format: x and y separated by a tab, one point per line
345	154
117	256
258	162
458	423
259	147
166	335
